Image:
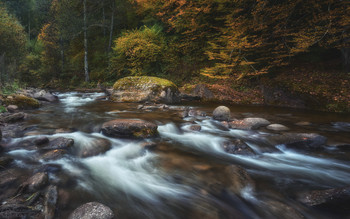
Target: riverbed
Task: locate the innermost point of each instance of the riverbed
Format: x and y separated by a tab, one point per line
186	173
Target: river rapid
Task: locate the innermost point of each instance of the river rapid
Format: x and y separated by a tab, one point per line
185	175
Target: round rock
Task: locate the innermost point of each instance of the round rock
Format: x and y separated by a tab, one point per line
277	127
222	113
92	210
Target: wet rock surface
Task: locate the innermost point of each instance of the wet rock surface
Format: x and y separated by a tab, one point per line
45	96
5	161
12	118
53	155
299	140
238	147
96	147
59	143
222	113
329	198
249	123
194	156
277	127
51	197
36	182
239	179
92	210
129	128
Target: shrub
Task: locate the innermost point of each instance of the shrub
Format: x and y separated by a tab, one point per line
139	52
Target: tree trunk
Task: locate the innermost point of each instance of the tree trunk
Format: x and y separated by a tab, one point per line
2	68
62	54
86	64
346	58
111	28
29	30
104	19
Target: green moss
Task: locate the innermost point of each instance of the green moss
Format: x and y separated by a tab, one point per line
22	102
2	109
140	82
146	133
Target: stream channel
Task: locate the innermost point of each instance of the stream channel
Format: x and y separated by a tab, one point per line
185	174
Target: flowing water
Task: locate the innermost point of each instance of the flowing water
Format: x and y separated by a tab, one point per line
185	175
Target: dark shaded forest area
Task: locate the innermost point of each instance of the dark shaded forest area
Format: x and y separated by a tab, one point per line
242	50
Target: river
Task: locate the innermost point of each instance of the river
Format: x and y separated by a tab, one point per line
185	175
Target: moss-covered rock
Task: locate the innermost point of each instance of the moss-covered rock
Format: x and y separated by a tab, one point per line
23	102
144	88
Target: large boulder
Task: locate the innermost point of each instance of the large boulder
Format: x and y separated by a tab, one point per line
129	128
23	102
144	88
222	113
45	96
92	210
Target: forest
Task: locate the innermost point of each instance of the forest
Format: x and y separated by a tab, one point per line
241	44
176	109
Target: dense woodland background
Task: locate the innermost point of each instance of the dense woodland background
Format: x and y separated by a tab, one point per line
229	44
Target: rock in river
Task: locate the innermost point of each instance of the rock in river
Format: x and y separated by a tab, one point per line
337	198
144	88
59	143
96	147
36	182
12	118
129	128
92	210
222	113
50	202
249	123
239	179
299	140
237	146
45	96
277	127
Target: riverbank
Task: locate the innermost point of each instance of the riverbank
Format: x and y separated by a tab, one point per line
296	88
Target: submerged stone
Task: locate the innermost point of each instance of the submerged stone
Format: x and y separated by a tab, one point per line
331	199
97	146
92	210
299	140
